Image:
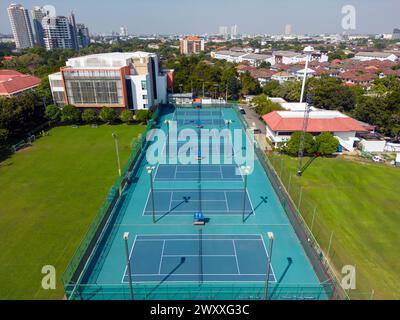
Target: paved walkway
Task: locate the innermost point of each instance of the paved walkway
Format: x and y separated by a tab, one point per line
253	120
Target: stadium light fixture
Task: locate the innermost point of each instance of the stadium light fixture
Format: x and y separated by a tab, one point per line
128	263
308	51
271	237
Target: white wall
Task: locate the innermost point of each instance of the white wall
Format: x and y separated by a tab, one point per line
137	92
373	146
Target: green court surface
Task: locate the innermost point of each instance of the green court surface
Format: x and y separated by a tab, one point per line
49	195
173	259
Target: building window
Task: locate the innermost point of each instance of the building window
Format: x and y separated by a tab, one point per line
145	106
144	85
145	97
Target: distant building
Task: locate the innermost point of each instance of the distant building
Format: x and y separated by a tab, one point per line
396	34
123	31
191	45
288	29
38	13
367	56
130	80
283	76
254	59
282	124
82	35
13	83
234	32
20	26
223	31
59	33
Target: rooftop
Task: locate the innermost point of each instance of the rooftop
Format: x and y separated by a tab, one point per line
13	82
320	121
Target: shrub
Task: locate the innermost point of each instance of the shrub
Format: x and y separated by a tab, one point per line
326	144
142	116
126	116
108	115
89	116
53	113
70	114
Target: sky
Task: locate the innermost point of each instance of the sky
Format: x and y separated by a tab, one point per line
205	16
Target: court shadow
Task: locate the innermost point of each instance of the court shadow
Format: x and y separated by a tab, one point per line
185	200
264	200
290	262
181	263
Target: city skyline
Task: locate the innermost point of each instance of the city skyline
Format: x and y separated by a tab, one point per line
252	17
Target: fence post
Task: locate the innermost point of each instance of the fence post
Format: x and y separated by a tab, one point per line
330	244
372	294
300	198
290	183
313	220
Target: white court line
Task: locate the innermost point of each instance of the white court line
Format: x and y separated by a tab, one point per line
269	261
197	255
161	257
237	262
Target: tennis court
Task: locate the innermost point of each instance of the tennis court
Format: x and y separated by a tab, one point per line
198	172
196	113
188	202
198	257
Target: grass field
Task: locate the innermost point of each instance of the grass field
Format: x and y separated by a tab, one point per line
49	195
360	204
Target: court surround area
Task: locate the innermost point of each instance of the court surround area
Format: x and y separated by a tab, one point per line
171	258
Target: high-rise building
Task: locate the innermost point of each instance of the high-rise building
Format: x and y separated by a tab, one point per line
116	80
191	45
83	35
234	32
123	31
223	31
74	31
396	34
20	26
58	33
38	13
288	29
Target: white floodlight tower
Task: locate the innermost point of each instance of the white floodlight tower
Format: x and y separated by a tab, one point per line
308	51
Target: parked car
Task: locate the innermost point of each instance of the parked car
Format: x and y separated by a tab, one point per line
242	111
378	159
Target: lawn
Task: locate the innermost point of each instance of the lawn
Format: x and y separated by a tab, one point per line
49	195
359	206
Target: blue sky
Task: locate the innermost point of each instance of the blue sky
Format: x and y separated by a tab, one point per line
252	16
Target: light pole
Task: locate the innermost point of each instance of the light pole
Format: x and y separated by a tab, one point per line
150	172
308	51
115	137
128	263
167	122
245	172
269	259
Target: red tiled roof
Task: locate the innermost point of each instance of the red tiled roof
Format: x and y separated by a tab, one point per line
340	124
12	82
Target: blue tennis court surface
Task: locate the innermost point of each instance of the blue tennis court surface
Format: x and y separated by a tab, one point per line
188	202
198	257
197	113
202	122
196	172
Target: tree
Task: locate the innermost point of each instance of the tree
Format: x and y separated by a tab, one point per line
3	135
264	106
326	144
126	116
108	115
249	85
329	93
70	114
269	88
53	113
264	64
292	147
89	116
